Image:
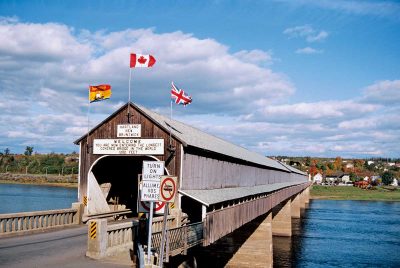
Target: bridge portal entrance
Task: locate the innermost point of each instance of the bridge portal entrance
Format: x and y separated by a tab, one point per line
113	183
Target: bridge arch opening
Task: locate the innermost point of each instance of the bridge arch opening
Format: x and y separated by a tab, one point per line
118	178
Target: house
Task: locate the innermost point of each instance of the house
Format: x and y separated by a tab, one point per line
349	165
317	178
370	162
395	182
345	178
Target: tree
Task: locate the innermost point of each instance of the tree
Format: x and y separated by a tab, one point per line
28	150
338	163
387	177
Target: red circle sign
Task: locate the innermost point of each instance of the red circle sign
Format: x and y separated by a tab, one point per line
168	191
159	205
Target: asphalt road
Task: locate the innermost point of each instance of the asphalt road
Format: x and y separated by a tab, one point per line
65	248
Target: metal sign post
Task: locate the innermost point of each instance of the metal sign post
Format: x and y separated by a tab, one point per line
167	194
149	238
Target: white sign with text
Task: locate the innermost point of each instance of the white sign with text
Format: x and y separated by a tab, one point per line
151	173
129	130
129	146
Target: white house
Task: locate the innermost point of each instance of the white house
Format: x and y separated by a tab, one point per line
345	178
317	178
370	162
395	182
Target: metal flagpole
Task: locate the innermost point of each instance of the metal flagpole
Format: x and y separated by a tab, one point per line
88	125
129	95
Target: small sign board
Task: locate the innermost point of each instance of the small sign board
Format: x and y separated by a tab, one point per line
167	189
151	173
129	130
152	170
128	146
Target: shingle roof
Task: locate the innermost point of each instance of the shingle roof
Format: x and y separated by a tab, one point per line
194	137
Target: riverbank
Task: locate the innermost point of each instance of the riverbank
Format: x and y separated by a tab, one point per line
40	179
354	193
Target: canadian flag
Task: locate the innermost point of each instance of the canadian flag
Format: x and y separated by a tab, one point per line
139	60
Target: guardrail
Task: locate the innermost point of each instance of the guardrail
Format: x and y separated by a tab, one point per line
105	239
37	221
180	239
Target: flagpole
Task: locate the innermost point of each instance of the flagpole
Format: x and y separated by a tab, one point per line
88	125
129	95
170	130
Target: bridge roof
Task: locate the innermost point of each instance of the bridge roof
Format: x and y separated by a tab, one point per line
191	136
294	170
215	196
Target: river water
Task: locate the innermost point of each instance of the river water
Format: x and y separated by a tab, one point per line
343	234
330	233
24	197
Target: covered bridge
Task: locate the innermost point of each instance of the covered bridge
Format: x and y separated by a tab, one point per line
213	174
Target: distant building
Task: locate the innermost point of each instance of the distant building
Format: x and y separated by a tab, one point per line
395	182
370	162
349	165
317	179
345	178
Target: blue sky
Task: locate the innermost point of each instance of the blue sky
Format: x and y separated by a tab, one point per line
318	78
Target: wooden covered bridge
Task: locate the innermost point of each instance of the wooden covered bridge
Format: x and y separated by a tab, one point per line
221	186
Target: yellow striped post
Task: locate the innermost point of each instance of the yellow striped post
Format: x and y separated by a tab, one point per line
93	230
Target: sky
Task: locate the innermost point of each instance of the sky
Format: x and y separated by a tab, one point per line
297	78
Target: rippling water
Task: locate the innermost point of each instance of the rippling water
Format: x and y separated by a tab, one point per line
343	234
23	197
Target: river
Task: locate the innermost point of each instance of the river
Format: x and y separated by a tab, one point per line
25	197
343	234
330	233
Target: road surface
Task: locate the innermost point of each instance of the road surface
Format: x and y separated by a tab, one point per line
65	248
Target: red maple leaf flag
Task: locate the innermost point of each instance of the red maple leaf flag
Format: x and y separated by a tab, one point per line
140	60
179	96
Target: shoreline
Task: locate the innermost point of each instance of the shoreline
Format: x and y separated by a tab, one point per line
55	184
354	193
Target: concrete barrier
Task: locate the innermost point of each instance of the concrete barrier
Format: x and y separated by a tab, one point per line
38	221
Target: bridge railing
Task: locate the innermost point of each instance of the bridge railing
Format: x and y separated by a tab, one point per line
30	222
180	239
106	239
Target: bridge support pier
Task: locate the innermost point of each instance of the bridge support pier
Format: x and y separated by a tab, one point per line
256	251
296	206
282	219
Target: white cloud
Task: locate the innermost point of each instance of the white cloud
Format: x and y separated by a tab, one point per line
385	92
306	32
309	50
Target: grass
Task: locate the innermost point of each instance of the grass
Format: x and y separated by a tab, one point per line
354	193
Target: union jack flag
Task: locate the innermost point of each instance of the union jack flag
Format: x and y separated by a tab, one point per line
178	95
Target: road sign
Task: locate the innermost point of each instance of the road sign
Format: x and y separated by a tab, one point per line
150	188
152	170
167	188
144	207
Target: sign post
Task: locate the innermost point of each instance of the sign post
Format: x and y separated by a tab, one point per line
167	194
152	170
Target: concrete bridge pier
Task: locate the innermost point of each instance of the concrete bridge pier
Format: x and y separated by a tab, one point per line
282	219
296	206
256	251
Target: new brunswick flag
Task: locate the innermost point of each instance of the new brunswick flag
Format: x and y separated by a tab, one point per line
99	93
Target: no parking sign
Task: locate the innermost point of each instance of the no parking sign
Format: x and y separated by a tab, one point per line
167	189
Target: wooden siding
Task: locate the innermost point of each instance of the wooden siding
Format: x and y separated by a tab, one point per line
108	130
221	222
200	172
